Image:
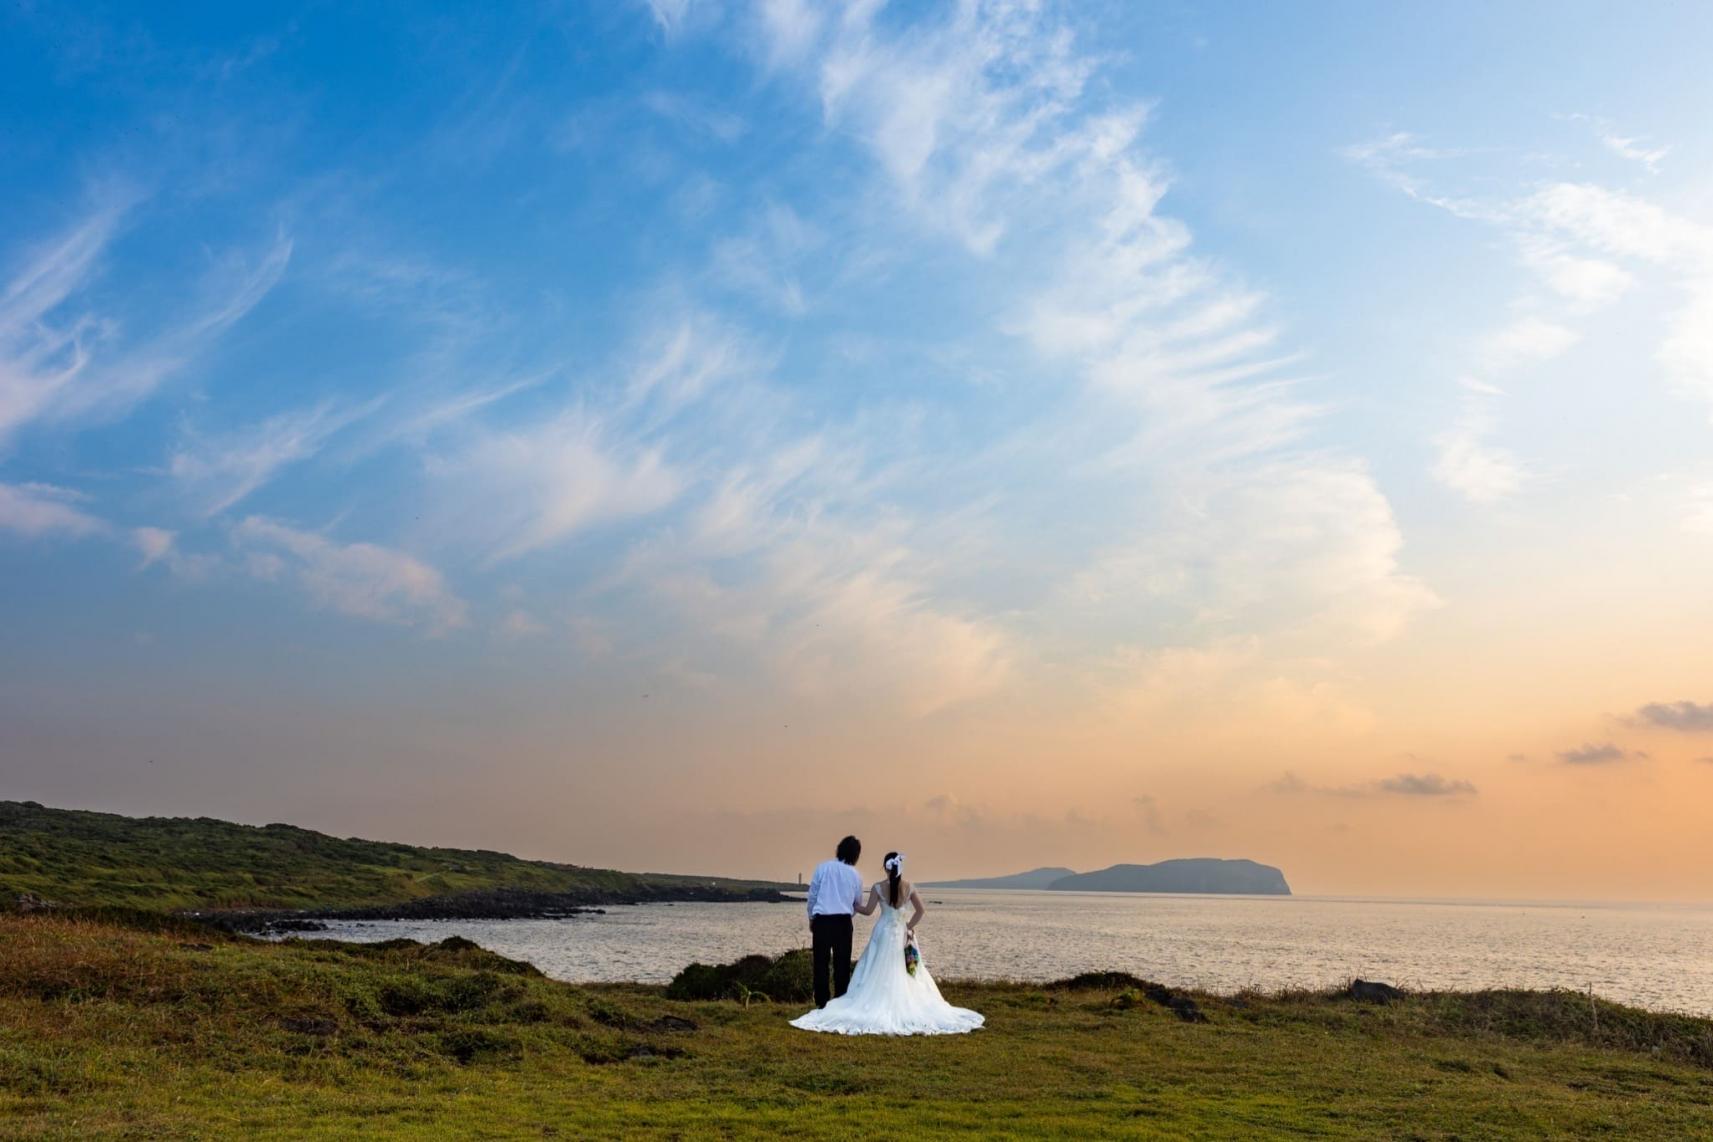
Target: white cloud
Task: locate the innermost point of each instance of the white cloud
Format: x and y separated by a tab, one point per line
1616	223
520	624
531	488
1390	159
36	510
1698	509
1468	463
674	16
836	613
155	543
765	261
159	547
1527	340
1588	283
40	360
694	113
1466	459
359	579
62	363
680	362
790	29
217	471
1584	244
983	126
1687	351
962	114
1635	149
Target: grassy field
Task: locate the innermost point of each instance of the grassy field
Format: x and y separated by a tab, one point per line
109	1030
181	863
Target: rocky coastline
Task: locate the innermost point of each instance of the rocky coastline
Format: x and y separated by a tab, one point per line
486	904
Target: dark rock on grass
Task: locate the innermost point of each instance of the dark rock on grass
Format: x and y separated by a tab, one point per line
1180	1005
671	1024
1176	1002
1371	992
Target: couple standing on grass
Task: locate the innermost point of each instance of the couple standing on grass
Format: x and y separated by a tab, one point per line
891	992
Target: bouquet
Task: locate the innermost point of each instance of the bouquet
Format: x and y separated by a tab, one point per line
912	957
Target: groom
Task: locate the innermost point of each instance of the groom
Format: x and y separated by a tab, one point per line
835	892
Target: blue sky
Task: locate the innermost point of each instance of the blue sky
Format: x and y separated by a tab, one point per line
666	433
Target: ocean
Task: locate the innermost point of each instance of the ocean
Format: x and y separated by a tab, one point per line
1650	955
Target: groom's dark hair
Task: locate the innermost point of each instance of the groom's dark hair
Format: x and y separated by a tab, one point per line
849	849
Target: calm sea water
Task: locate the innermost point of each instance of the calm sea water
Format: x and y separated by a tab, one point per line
1657	956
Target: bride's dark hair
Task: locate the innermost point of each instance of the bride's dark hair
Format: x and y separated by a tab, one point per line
892	878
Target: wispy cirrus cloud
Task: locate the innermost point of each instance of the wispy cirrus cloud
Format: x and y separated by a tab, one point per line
217	471
671	16
766	260
982	123
363	580
1632	147
1584	245
37	510
62	359
693	113
524	489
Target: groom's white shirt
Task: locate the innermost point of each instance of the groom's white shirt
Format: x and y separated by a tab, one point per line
835	889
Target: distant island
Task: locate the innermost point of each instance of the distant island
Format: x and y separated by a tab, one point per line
252	875
1195	874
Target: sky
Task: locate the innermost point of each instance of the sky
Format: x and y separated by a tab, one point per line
673	435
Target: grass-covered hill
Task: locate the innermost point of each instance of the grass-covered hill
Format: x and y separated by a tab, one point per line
88	859
108	1030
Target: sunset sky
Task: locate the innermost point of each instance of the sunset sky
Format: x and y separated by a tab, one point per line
672	435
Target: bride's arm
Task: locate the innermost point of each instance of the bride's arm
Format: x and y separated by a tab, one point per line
916	903
867	908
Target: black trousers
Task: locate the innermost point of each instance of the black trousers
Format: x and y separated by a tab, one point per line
831	948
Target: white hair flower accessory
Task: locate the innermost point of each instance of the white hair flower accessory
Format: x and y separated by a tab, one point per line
895	864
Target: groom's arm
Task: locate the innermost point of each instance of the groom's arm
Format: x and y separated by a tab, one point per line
814	891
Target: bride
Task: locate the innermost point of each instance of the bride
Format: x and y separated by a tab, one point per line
885	996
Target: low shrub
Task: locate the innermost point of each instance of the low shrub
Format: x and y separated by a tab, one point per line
1100	981
783	979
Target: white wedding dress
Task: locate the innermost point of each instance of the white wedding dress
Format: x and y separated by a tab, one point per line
884	998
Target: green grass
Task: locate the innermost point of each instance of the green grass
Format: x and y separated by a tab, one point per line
110	1031
181	863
